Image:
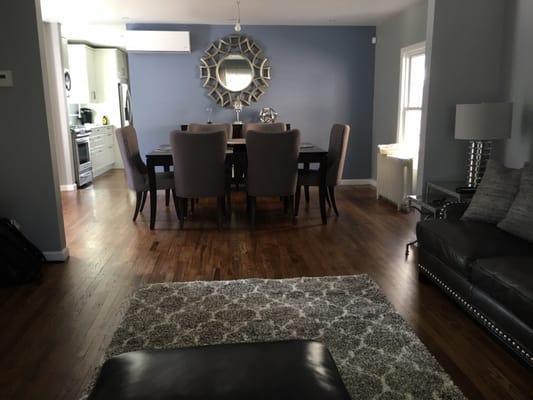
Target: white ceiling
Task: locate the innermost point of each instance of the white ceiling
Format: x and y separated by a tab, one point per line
253	12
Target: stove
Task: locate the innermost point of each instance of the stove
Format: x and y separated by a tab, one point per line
81	151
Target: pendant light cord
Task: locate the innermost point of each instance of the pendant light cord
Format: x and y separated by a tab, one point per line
238	24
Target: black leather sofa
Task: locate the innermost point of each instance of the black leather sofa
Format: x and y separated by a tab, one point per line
486	271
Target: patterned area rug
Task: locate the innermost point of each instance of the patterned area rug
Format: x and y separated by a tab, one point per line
378	355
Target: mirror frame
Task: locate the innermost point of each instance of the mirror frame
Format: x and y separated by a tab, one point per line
246	47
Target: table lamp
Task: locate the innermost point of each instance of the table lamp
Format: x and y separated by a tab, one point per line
481	124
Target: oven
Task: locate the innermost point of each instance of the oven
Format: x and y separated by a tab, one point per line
81	151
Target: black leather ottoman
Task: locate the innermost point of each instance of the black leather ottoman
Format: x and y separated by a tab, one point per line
274	370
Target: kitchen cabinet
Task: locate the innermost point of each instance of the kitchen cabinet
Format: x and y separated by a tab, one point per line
102	149
83	75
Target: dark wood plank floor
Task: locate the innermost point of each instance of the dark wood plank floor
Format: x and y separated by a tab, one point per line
54	334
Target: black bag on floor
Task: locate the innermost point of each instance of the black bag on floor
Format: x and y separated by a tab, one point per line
20	260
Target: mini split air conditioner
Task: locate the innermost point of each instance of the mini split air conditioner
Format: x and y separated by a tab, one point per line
158	41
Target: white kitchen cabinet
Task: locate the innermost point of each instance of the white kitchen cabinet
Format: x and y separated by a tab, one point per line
102	149
83	75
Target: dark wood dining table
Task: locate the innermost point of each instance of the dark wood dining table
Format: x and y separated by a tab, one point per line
309	154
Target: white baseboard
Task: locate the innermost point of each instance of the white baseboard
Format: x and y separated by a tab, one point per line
68	188
371	182
57	256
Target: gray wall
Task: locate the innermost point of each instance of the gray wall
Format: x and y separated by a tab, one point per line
320	75
519	83
465	50
30	193
398	31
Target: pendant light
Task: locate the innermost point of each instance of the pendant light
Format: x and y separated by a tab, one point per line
238	24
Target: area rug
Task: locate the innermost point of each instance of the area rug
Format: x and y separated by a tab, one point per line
377	353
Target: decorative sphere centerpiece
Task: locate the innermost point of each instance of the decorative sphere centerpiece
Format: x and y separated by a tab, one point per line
267	115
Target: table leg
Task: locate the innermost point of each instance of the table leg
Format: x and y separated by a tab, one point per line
306	188
322	189
153	192
166	168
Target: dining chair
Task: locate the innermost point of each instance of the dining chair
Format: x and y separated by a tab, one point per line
206	128
261	127
199	169
272	168
135	169
278	127
338	143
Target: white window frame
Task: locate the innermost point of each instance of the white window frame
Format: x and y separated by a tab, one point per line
406	54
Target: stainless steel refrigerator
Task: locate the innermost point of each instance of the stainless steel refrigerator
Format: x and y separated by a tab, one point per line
124	97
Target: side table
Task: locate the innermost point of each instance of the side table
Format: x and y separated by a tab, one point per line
431	204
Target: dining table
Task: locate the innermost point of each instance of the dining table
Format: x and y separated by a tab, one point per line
236	153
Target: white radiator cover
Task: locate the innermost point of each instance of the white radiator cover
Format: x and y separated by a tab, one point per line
394	177
158	41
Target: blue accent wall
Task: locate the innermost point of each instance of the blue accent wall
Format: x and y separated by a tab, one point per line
320	75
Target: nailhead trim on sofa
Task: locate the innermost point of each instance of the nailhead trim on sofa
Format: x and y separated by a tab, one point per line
480	317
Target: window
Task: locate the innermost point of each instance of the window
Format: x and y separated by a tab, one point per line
413	68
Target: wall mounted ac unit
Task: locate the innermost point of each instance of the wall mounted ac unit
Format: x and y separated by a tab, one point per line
158	41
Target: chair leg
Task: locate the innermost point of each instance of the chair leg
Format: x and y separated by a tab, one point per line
224	209
192	205
145	195
176	203
228	202
331	192
290	201
297	200
167	197
185	206
182	210
220	211
328	200
285	204
137	205
252	203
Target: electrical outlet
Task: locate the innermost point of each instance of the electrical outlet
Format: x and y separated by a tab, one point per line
6	78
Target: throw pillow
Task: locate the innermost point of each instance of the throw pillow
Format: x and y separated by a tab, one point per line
495	194
519	219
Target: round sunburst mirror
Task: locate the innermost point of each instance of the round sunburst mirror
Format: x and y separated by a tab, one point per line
234	69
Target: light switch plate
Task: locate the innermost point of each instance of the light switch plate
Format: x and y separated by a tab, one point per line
6	78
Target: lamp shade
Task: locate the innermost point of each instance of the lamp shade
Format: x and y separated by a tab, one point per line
486	121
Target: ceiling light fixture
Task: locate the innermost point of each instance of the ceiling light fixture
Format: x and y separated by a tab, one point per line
238	24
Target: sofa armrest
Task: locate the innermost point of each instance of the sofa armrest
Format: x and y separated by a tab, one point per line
453	210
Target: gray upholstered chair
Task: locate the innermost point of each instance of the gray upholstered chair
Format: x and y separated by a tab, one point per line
277	127
199	168
260	127
272	168
206	128
135	169
338	143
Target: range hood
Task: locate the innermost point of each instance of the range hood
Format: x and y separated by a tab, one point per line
158	41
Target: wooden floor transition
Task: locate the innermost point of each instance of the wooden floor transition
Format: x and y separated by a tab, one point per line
54	333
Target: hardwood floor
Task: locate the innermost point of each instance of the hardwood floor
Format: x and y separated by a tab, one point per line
54	333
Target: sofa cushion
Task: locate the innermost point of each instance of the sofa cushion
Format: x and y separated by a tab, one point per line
459	243
519	219
509	280
494	195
